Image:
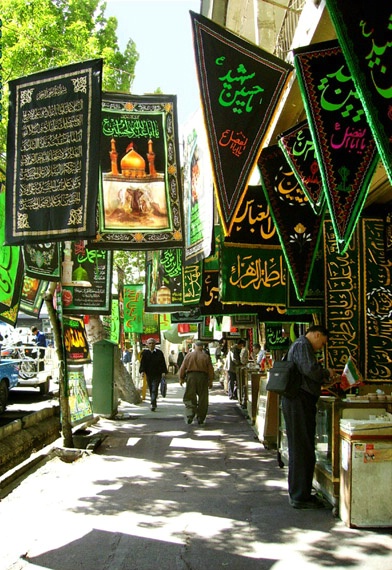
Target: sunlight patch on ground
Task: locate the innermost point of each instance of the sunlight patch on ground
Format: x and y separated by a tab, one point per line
194	443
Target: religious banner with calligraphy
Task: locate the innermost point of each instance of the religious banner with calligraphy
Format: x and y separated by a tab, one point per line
388	231
75	340
140	204
275	339
192	276
32	296
42	260
345	147
11	268
133	308
298	227
343	299
252	222
111	323
378	303
364	32
298	147
87	279
240	86
198	191
151	327
52	150
255	276
163	281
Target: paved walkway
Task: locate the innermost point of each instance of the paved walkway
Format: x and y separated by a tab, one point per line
159	494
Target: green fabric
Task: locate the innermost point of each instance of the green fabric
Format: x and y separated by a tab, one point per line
133	308
255	276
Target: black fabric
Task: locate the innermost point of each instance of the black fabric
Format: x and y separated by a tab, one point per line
346	151
298	146
284	379
365	34
298	226
240	85
52	150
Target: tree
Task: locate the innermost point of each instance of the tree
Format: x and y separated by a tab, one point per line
41	34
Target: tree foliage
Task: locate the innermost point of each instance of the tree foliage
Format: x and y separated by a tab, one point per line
41	34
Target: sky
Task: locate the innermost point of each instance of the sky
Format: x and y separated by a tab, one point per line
162	32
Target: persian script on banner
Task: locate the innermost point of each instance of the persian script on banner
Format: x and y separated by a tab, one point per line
364	31
52	150
140	203
345	147
240	86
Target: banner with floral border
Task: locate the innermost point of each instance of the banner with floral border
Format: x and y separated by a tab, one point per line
140	199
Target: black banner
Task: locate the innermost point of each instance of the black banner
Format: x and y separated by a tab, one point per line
52	150
240	86
365	34
345	147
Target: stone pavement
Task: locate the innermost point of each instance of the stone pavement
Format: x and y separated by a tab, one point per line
159	494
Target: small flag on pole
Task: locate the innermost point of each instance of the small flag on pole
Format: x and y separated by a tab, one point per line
351	376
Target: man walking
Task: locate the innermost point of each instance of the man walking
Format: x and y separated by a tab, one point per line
153	364
300	416
198	373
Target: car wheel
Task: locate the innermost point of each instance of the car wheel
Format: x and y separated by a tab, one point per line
45	387
28	368
3	395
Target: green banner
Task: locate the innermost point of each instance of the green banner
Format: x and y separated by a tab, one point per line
255	276
133	308
192	280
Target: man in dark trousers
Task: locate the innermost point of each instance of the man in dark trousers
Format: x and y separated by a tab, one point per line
153	364
198	373
300	416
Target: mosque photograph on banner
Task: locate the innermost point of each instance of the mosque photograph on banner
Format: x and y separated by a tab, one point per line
140	204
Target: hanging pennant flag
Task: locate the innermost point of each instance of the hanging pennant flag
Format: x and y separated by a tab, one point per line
298	148
345	148
240	86
140	201
299	228
198	191
52	149
364	31
133	308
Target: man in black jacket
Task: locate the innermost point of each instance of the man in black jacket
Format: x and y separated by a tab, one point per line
300	416
153	364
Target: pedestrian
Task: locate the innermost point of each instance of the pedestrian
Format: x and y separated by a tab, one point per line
300	416
180	357
198	373
173	361
232	363
40	341
153	364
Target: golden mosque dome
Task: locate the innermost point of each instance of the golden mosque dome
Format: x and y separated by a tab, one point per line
133	164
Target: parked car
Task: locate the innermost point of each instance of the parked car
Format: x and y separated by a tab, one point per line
30	373
9	378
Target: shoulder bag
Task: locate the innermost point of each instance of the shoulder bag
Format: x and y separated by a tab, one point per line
284	378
